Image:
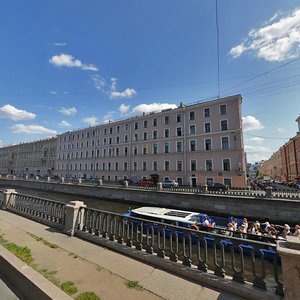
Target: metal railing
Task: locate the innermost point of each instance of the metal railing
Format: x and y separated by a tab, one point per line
244	260
1	197
48	210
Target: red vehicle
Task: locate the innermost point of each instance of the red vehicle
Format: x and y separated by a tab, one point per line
145	182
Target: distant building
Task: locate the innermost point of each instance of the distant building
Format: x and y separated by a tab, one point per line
284	164
33	158
195	144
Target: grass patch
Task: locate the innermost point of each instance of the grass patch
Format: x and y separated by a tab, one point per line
2	240
24	253
69	287
133	284
88	296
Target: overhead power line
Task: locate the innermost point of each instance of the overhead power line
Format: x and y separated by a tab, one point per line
268	137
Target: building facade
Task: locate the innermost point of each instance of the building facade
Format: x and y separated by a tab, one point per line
32	159
195	144
284	164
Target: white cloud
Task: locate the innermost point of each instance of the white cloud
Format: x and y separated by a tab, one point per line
99	82
67	60
256	139
71	111
251	123
257	153
32	129
114	94
281	130
147	108
10	112
53	92
59	44
64	124
1	143
277	40
90	120
123	109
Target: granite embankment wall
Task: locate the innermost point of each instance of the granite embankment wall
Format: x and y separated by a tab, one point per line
278	210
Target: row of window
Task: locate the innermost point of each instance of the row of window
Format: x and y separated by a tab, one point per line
145	149
109	130
226	166
109	141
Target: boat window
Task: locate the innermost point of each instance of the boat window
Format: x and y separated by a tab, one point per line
181	214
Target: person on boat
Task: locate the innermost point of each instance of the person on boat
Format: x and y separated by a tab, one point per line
297	231
235	224
245	222
230	229
286	231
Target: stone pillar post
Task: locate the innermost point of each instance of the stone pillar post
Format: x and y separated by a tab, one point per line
62	180
100	182
269	192
9	198
126	184
159	186
79	180
289	252
37	177
26	177
205	188
14	177
74	216
48	179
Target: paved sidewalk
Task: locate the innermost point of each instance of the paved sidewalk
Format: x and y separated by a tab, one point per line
94	268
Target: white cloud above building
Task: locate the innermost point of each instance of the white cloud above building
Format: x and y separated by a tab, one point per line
152	107
250	123
123	109
10	112
64	124
277	40
92	121
32	129
114	94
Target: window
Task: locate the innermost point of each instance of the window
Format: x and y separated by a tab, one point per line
126	138
136	125
224	125
178	129
145	136
155	122
179	165
193	165
126	127
207	144
167	133
105	141
179	147
110	130
155	134
103	166
167	165
223	109
135	150
118	129
105	130
155	166
117	139
110	141
206	112
117	151
192	129
166	120
178	118
145	149
145	124
193	145
207	127
136	137
126	151
134	166
209	181
125	165
225	143
192	115
155	148
144	166
227	181
117	166
167	147
208	165
226	164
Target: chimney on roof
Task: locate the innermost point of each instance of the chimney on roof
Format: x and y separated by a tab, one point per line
298	120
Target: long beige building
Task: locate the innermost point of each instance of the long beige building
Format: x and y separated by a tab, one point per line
32	159
194	144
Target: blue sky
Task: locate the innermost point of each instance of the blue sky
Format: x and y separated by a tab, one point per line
68	64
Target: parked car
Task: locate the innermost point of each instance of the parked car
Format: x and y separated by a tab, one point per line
218	187
145	182
169	183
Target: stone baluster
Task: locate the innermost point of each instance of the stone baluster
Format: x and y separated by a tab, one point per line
9	198
74	217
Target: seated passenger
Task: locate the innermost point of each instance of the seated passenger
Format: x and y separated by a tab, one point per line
297	231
